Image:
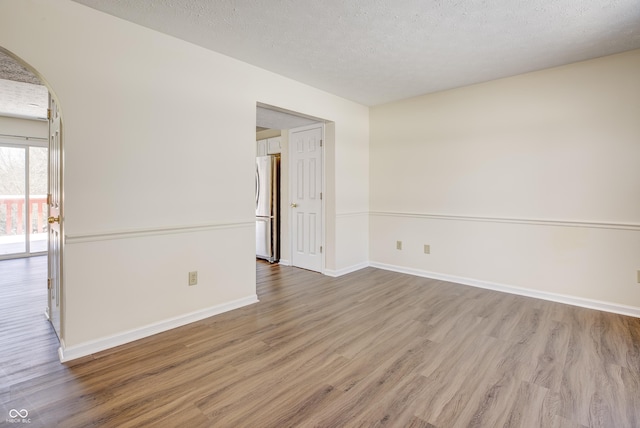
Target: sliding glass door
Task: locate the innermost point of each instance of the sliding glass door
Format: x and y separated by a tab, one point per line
23	200
38	165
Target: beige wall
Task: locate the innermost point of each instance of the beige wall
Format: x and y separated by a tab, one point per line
542	168
268	133
159	167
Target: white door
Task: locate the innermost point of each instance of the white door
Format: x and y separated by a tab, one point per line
305	148
55	215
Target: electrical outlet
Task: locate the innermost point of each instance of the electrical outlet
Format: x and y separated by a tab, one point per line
398	245
427	249
193	277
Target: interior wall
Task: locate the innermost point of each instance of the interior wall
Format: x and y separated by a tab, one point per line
12	126
530	182
159	169
351	190
268	133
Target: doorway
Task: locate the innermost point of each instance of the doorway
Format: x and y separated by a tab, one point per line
31	175
274	127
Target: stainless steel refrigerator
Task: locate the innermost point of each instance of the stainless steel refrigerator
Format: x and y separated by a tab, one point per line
267	207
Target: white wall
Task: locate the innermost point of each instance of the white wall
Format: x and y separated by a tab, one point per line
351	191
12	126
159	167
530	182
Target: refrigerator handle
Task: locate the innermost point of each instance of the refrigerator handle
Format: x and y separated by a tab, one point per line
257	187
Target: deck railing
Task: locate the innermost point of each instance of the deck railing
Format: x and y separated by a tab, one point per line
12	214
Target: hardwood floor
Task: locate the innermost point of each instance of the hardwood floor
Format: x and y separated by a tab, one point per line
372	348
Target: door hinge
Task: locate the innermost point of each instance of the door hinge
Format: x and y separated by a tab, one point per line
48	114
48	283
320	195
48	198
321	248
321	142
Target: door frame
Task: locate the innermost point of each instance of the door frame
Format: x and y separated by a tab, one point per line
323	214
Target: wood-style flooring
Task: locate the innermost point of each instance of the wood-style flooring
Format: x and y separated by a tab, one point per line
372	348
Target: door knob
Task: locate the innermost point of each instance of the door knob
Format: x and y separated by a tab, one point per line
294	205
53	220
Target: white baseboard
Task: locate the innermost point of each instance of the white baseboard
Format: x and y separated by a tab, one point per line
284	262
344	271
544	295
93	346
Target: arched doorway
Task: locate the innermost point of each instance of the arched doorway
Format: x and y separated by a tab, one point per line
30	122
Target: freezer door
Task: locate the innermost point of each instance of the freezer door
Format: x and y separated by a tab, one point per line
263	238
264	178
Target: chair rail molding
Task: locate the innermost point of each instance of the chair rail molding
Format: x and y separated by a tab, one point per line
530	221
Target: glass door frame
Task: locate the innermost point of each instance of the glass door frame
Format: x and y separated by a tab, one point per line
25	143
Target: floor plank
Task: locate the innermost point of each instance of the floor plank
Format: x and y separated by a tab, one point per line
372	348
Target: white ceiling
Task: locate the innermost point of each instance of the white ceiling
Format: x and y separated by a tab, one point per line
376	51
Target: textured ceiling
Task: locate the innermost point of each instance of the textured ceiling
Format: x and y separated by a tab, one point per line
375	51
10	69
270	118
21	92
